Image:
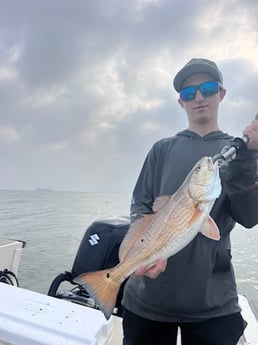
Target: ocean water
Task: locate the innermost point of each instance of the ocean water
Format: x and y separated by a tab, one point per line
53	224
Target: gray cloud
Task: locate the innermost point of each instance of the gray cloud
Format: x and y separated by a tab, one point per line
85	86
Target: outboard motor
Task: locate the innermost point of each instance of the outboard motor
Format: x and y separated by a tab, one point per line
98	250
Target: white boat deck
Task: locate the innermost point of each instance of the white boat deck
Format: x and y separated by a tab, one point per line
250	336
30	318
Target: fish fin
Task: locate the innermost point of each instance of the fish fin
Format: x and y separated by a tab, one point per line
102	288
135	231
196	214
210	229
160	202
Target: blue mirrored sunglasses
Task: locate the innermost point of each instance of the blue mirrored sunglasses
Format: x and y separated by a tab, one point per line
207	89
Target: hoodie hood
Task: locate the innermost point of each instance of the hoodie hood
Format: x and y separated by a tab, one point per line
216	135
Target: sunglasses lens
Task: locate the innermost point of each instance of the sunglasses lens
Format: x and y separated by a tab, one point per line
209	88
188	93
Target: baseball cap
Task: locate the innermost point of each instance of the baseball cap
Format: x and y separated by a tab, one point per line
197	65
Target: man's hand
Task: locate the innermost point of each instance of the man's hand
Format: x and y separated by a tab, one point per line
152	271
251	132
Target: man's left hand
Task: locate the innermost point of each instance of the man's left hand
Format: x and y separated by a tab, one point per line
152	271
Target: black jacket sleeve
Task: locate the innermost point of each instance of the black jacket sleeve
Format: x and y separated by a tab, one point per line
142	199
241	188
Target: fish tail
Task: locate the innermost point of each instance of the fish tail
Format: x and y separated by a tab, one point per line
102	288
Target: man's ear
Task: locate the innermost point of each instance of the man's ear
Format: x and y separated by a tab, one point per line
222	93
181	102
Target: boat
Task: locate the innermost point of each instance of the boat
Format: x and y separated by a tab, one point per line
31	318
43	189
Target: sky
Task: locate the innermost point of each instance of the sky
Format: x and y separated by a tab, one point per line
86	85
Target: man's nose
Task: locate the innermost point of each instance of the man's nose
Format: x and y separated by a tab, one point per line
199	96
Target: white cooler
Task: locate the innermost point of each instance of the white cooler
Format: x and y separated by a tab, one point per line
30	318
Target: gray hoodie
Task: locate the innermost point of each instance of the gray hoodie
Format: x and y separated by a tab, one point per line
199	281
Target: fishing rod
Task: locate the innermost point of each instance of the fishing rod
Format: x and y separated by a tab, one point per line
229	152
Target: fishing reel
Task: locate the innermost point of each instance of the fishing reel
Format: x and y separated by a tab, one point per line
228	153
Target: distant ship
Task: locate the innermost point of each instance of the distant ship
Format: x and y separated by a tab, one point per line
44	189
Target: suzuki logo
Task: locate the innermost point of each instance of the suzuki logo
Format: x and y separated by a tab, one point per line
94	239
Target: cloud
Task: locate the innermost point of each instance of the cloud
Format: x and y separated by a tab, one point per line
86	86
8	135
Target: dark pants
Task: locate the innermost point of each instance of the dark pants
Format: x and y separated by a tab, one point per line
224	330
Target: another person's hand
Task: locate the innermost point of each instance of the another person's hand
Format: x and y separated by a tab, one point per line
152	271
251	132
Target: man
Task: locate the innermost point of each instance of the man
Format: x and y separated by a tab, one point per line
195	289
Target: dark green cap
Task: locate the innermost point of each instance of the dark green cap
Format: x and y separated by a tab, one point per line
197	65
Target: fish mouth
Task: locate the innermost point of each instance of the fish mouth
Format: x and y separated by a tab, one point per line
214	187
212	165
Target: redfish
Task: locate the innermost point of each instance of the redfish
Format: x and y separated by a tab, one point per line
174	223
